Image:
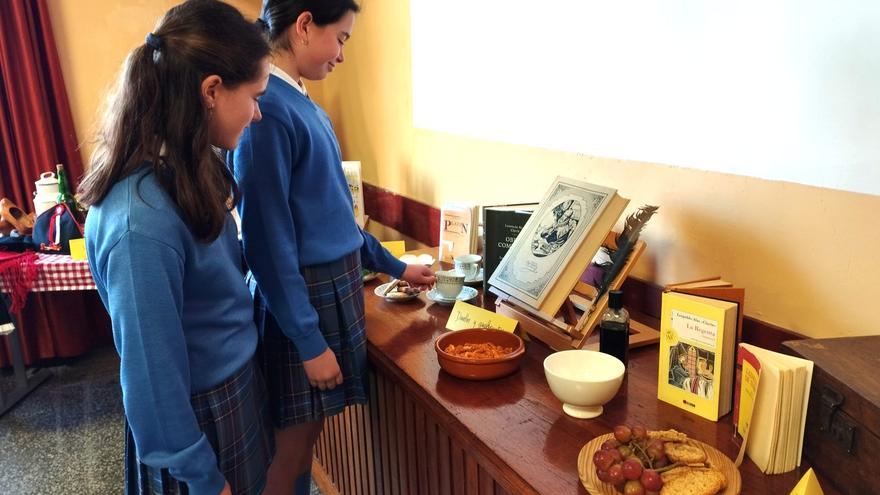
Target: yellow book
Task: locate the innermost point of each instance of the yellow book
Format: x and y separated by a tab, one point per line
697	345
776	427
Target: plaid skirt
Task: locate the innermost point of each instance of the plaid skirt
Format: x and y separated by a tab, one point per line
235	418
336	293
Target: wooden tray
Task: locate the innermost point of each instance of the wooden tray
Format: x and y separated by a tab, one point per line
587	473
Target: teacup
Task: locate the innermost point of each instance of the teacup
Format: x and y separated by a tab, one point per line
469	264
449	283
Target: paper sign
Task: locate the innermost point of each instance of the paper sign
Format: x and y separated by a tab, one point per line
466	315
396	248
808	485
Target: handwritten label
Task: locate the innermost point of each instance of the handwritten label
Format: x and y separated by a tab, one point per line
466	315
396	248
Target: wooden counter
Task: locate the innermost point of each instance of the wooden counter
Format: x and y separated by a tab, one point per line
425	432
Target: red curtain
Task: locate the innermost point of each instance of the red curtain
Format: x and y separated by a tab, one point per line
36	132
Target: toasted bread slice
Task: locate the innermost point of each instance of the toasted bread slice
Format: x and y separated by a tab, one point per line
668	435
692	481
685	453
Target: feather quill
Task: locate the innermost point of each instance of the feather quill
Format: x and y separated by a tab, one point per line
627	239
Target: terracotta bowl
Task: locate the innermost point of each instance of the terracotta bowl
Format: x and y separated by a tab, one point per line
479	369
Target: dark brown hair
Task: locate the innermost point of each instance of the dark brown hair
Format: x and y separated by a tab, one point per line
278	15
157	106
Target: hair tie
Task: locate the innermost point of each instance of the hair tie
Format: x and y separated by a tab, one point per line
262	24
154	41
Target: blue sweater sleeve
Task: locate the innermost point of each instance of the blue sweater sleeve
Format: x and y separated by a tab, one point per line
144	278
262	164
376	258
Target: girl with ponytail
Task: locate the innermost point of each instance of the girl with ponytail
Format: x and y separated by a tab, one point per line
164	253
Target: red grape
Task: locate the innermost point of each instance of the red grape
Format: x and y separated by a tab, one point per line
622	433
615	474
639	432
610	444
633	487
632	469
602	475
651	480
603	459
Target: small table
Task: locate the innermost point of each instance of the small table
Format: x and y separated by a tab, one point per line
55	272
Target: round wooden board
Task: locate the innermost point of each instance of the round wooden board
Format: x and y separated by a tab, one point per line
587	473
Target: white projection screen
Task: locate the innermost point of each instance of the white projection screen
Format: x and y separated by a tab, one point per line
781	90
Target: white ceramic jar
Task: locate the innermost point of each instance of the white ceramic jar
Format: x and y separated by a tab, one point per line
46	193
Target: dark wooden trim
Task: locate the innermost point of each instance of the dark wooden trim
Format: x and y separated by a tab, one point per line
644	298
407	216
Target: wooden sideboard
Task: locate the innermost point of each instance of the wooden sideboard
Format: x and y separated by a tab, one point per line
425	432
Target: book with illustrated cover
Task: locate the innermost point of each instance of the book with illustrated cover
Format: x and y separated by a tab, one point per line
458	230
697	346
715	288
501	226
352	172
556	244
774	431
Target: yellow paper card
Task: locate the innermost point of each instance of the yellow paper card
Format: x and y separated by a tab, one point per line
78	249
808	485
466	315
396	248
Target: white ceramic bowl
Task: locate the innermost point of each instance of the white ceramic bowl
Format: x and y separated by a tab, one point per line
583	380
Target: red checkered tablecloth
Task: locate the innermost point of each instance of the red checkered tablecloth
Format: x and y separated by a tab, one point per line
57	272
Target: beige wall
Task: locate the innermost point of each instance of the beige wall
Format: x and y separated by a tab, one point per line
806	255
93	39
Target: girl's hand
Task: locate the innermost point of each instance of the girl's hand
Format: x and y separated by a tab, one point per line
419	276
227	490
323	371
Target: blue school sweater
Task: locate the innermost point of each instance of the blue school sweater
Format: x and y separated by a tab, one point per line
296	209
182	320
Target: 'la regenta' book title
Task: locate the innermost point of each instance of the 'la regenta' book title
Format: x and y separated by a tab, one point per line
697	338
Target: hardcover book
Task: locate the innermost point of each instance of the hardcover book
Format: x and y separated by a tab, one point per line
697	345
458	230
501	226
556	244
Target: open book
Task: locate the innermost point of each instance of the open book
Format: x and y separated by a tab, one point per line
771	417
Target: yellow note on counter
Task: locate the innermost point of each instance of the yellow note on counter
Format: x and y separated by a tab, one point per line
466	315
808	485
396	248
78	249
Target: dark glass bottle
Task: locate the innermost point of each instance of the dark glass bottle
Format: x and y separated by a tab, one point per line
614	328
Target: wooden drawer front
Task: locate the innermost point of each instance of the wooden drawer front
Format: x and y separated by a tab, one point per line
392	446
843	450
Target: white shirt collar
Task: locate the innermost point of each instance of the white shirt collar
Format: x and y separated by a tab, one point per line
284	76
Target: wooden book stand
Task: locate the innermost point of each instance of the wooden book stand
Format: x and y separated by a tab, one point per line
579	314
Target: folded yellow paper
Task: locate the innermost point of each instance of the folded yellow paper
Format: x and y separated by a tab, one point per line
808	485
396	248
466	315
78	249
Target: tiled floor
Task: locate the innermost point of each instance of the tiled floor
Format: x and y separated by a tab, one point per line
66	436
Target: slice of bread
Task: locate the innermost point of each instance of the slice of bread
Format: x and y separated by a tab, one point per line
692	481
684	453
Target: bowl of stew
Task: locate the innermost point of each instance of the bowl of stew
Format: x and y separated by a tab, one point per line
479	354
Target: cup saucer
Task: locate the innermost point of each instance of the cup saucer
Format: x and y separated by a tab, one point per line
466	294
478	279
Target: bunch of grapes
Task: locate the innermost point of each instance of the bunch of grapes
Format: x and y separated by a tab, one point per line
631	461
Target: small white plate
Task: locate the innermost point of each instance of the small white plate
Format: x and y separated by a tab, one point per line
380	290
466	294
476	280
